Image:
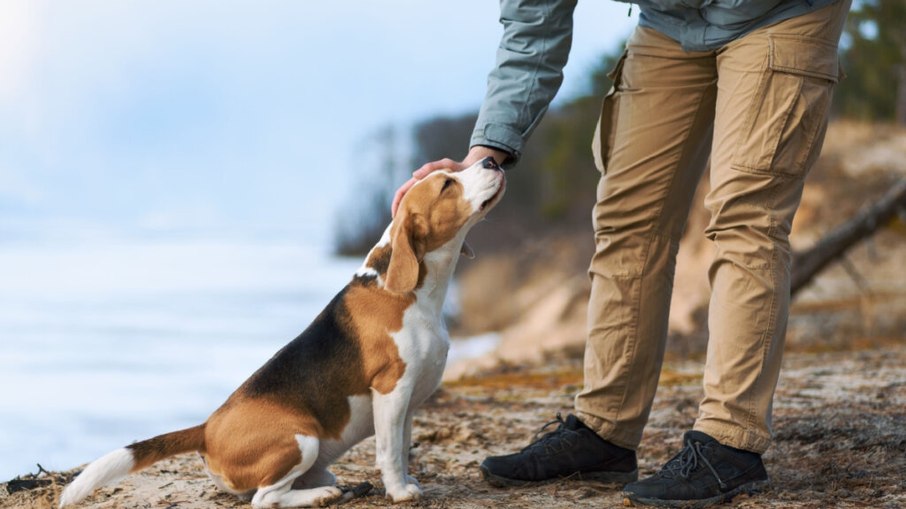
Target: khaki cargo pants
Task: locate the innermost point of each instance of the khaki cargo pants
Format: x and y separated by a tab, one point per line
758	108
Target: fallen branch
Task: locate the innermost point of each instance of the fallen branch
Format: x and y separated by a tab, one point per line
17	484
808	263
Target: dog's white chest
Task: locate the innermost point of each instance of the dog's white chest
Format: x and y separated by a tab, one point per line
423	344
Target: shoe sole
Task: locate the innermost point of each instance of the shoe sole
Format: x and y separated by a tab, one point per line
620	478
630	498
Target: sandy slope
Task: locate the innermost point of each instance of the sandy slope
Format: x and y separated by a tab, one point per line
840	423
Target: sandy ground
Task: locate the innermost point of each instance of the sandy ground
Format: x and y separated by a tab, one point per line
840	426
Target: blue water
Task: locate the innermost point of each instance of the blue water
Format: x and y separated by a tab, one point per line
104	342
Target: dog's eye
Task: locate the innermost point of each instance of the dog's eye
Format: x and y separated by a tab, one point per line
447	183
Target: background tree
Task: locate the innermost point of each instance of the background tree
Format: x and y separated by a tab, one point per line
873	53
380	170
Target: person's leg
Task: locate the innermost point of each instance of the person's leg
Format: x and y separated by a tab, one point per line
774	89
774	94
652	147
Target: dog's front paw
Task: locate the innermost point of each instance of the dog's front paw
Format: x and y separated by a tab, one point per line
412	480
405	493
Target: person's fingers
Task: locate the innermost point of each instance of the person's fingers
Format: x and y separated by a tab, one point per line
422	172
443	164
398	197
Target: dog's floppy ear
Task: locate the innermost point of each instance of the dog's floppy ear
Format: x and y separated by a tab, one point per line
407	244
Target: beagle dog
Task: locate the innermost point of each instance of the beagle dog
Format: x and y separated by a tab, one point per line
362	367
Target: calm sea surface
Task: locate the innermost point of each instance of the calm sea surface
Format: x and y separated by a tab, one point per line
104	342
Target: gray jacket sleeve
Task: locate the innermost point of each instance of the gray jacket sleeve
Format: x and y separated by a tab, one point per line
537	35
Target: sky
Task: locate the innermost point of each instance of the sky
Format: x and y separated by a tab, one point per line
229	118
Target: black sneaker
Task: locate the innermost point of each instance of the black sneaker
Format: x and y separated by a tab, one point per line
571	450
703	473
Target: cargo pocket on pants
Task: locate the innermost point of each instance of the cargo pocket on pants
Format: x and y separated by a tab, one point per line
786	119
602	142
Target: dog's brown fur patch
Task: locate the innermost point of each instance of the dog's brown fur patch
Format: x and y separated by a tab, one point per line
379	259
252	442
149	451
374	315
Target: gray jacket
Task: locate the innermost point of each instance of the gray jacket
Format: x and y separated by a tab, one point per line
537	35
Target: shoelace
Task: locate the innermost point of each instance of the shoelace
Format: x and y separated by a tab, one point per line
544	440
688	461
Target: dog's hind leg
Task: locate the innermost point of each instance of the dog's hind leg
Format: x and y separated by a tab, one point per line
281	494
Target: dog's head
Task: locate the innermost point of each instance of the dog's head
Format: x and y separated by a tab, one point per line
436	214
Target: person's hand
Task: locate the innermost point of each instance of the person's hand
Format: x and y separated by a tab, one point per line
477	153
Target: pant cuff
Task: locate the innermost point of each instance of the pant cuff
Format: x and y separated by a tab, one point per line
734	436
608	431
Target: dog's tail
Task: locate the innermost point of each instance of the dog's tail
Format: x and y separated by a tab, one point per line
115	465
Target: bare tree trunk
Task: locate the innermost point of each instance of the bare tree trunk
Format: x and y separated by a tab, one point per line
808	263
900	111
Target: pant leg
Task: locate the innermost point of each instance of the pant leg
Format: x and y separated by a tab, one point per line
652	145
774	90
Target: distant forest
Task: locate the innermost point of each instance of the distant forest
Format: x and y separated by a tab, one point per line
552	188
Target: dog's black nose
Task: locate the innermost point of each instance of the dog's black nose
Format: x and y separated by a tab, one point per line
490	164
